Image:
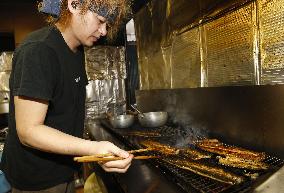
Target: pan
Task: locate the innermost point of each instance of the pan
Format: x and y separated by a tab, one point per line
121	121
153	119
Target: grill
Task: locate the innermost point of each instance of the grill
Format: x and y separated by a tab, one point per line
186	180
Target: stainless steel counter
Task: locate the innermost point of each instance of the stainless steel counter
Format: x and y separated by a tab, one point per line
144	177
141	177
274	184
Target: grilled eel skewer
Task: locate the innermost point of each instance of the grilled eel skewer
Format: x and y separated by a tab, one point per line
234	156
204	170
214	146
164	149
242	163
144	134
168	150
212	172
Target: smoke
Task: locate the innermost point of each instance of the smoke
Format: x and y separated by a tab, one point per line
190	131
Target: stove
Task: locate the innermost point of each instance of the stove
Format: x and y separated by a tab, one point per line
188	181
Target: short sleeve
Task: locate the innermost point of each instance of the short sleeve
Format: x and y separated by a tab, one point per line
34	74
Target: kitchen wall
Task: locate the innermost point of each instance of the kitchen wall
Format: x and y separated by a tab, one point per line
106	71
197	43
5	71
234	50
246	116
20	18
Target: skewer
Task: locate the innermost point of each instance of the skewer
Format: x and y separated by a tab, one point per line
105	159
108	154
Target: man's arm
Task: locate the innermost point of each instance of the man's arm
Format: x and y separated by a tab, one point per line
30	115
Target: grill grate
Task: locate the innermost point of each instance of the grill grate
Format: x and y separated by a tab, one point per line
189	181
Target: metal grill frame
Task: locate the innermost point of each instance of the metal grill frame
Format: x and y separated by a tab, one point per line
189	181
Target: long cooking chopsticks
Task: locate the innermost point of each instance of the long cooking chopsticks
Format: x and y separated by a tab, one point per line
105	157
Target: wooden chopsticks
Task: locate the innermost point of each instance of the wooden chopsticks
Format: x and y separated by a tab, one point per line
106	157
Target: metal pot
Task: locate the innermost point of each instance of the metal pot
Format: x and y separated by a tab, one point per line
153	119
121	121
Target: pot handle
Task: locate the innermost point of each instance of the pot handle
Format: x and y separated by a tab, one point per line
142	115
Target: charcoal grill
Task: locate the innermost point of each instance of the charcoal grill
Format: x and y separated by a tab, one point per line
189	181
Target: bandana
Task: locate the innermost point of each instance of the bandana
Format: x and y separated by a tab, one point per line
52	7
109	14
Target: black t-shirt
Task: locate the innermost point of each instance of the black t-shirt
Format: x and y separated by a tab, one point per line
45	68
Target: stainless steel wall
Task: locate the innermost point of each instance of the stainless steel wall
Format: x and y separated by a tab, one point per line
187	44
106	70
271	22
5	71
229	44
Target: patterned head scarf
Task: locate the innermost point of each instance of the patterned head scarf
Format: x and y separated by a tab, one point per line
52	7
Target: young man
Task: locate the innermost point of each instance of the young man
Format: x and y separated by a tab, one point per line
47	99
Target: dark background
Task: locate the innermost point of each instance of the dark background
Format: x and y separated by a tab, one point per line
20	17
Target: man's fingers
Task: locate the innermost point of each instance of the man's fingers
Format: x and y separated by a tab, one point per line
119	163
119	166
118	170
119	152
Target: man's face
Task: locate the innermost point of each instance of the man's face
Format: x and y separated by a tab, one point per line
89	28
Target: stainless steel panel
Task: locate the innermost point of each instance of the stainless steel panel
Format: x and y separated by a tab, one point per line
153	41
229	42
158	76
273	184
271	19
4	81
6	61
105	62
168	51
186	65
105	96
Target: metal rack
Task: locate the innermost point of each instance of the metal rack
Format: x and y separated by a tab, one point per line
186	180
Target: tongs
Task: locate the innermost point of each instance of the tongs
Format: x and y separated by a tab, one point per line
106	157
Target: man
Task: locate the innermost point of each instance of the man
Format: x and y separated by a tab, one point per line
47	98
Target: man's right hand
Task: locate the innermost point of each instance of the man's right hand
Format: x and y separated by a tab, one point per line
120	166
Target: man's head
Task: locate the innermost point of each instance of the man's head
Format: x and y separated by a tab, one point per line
90	16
